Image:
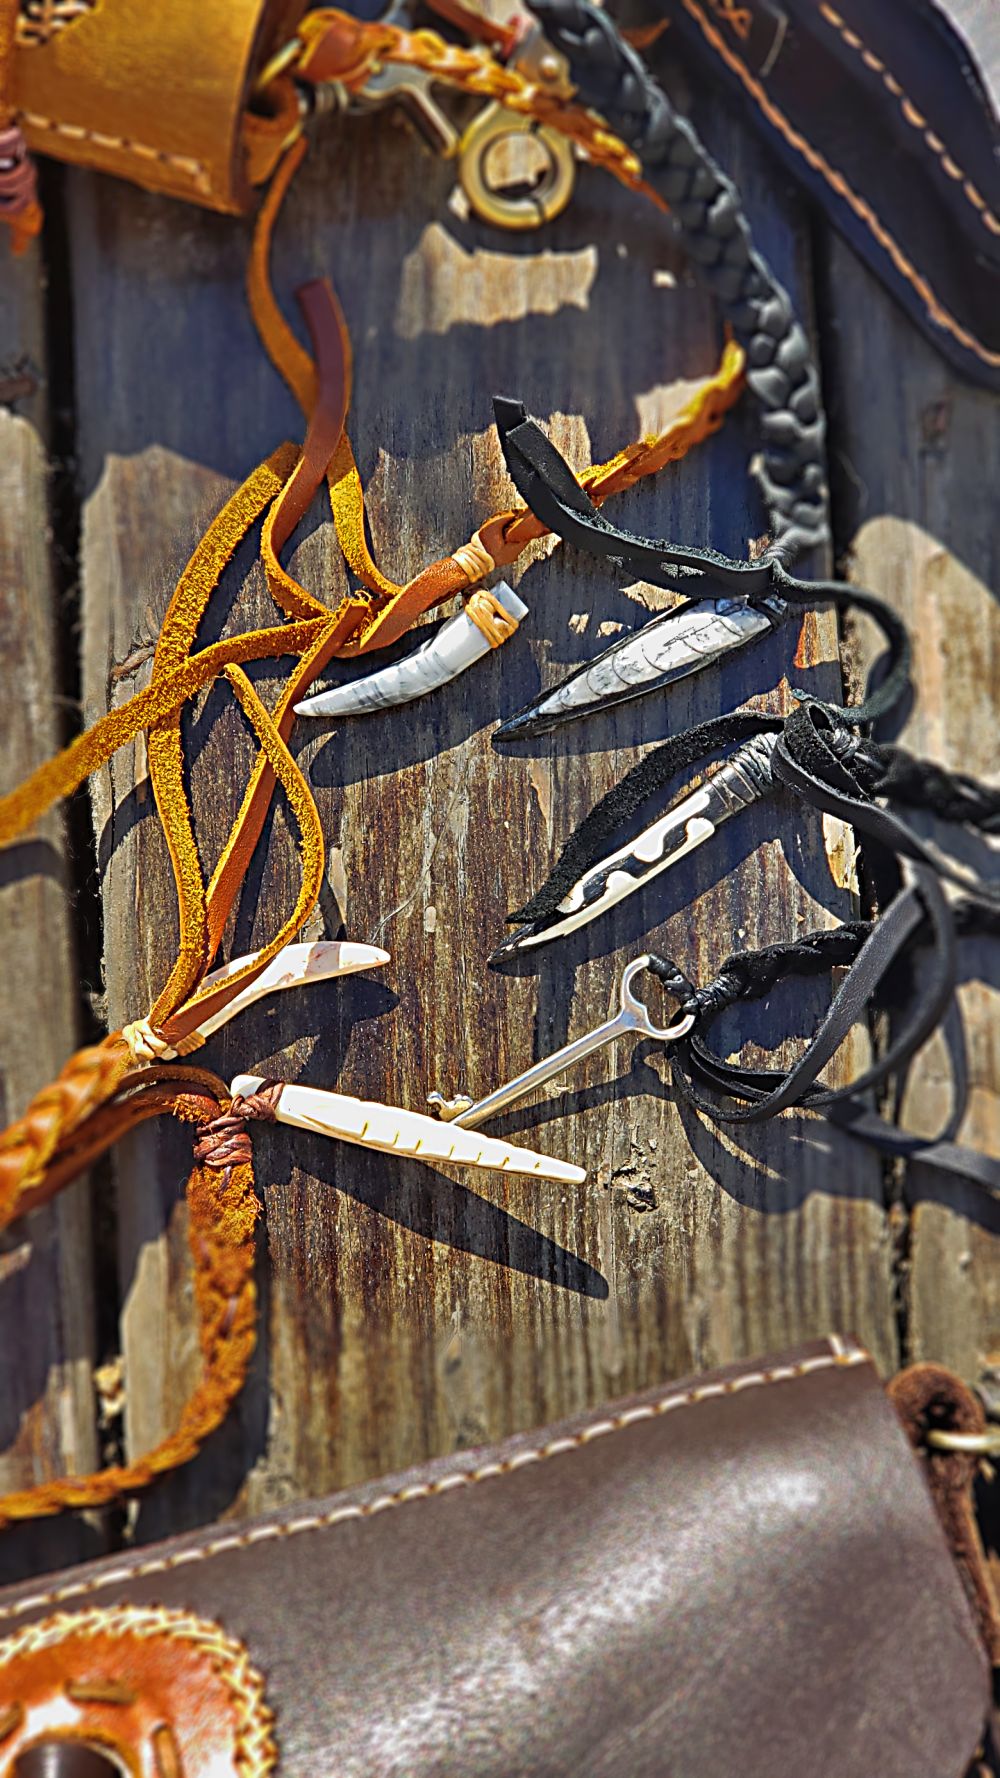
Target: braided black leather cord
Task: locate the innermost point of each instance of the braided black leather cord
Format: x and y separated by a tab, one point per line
751	975
707	214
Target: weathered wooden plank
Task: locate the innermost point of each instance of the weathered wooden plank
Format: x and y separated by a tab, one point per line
47	1420
408	1312
918	451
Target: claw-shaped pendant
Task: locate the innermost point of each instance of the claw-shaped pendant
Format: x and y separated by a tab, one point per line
409	1134
458	644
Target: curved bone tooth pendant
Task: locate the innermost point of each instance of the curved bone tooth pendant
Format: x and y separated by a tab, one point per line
669	647
458	644
409	1134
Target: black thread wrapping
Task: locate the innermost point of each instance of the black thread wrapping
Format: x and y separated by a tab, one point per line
751	975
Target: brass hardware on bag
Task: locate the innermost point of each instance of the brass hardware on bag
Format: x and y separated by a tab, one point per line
280	63
540	201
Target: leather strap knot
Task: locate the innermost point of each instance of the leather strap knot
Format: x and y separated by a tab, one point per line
489	616
225	1141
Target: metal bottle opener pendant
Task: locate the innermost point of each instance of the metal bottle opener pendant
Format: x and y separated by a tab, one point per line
632	1018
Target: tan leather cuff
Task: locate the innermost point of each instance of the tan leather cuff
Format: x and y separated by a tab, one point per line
157	94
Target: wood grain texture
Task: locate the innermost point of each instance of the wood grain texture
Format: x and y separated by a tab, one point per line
405	1312
918	459
47	1419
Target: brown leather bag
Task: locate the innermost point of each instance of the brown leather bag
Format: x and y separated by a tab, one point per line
742	1576
158	94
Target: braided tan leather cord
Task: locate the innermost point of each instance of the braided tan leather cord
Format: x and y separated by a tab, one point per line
222	1213
86	1083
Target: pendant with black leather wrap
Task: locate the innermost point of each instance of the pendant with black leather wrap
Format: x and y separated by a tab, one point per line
544	479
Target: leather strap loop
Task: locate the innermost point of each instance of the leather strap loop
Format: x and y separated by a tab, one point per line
770	1091
805	760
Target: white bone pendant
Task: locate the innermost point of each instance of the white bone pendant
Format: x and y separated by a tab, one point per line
458	644
293	967
405	1133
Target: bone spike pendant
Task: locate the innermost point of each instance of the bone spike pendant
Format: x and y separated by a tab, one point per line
458	644
409	1134
668	648
743	778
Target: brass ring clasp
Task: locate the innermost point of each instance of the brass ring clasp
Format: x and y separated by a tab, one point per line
525	208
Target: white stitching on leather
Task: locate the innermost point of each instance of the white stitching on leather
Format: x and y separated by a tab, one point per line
195	169
912	115
839	184
840	1357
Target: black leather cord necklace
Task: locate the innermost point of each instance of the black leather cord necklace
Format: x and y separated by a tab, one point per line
707	215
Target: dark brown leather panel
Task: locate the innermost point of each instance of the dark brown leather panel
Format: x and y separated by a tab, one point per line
739	1576
880	109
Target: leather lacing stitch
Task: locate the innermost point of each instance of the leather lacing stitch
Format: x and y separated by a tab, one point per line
225	1141
254	1752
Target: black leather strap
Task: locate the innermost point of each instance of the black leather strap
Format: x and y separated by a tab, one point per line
545	481
805	759
770	1091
